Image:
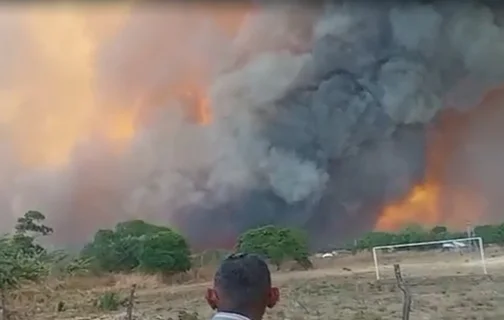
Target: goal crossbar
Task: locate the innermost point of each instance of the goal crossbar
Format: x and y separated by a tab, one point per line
405	245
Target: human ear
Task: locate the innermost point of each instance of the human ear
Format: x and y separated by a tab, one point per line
212	298
274	297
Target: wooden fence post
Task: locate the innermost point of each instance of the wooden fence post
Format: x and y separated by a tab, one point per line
405	290
131	303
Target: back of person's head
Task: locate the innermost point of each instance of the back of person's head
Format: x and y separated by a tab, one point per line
242	285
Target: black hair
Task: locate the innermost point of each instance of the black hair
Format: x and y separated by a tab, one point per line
244	280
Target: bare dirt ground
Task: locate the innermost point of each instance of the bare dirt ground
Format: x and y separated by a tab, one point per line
445	286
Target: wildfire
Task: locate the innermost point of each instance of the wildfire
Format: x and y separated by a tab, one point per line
419	205
52	104
453	192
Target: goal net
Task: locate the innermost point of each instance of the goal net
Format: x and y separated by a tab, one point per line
453	256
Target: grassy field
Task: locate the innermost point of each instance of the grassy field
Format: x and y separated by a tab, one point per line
444	286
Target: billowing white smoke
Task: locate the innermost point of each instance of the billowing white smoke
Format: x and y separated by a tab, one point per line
313	122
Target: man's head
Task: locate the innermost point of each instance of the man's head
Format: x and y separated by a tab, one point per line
242	285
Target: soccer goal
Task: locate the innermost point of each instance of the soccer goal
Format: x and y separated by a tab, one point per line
452	245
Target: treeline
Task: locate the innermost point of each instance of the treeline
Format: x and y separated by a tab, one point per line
491	234
131	246
139	246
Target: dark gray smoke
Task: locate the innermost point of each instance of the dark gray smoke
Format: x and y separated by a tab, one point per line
355	114
319	115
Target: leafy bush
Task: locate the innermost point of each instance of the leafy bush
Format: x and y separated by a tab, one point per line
276	244
77	266
21	259
16	267
134	244
63	264
491	233
105	251
165	252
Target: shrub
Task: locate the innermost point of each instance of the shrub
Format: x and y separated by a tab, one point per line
165	252
109	301
276	244
490	233
134	244
107	253
16	267
77	266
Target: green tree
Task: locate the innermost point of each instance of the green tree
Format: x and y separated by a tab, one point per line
138	228
127	244
16	267
277	244
102	251
500	234
122	249
115	250
165	252
28	228
377	238
489	233
32	221
413	233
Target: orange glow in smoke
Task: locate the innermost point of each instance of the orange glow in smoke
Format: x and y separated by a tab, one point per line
420	205
51	105
203	113
441	198
195	101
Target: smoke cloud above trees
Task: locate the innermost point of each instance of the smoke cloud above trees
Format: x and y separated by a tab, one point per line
219	119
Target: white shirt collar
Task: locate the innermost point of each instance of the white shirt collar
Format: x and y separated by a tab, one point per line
230	316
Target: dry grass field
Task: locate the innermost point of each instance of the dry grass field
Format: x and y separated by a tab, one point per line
444	286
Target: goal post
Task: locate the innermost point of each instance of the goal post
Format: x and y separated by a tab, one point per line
441	242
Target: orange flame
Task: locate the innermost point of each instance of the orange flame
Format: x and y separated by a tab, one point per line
419	205
449	195
52	105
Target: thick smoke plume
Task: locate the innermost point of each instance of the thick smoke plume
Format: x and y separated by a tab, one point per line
318	116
